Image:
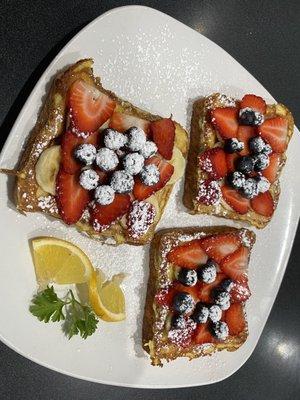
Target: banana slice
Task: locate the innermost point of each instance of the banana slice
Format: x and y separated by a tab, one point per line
47	167
178	161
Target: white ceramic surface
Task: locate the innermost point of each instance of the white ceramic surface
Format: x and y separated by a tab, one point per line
162	65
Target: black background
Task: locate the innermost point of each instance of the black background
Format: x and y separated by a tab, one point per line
264	36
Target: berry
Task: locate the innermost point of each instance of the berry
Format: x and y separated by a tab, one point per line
240	292
104	195
140	218
208	272
203	334
236	179
85	153
261	162
113	140
235	265
200	314
136	138
230	161
245	134
149	149
209	192
275	131
150	175
249	117
220	330
89	179
178	322
263	204
215	313
222	299
233	146
122	182
263	185
227	284
188	255
256	145
253	102
220	246
235	319
226	121
187	277
183	303
250	188
239	203
267	149
106	159
271	172
121	122
245	164
213	161
163	133
133	163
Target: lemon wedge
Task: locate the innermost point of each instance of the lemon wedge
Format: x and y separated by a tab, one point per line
59	261
107	299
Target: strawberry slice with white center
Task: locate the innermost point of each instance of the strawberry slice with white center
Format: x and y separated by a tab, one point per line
203	334
275	132
206	290
188	255
121	122
240	292
220	246
271	172
237	202
235	265
103	216
163	134
226	121
256	103
235	319
263	204
213	161
245	133
89	108
166	170
72	198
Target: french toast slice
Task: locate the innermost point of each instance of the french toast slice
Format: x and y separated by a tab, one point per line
160	339
51	126
206	194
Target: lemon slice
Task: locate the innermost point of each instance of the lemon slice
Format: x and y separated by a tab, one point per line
107	299
59	261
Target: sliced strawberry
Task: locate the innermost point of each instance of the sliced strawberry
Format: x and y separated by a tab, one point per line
104	176
271	172
164	297
235	319
71	198
256	103
235	265
275	131
203	335
209	192
89	108
230	161
69	142
163	134
239	203
103	216
220	246
263	204
226	121
121	122
142	191
183	337
192	290
188	255
245	133
213	161
205	293
240	292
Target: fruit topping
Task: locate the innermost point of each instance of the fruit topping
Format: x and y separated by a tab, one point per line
271	172
178	322
263	185
183	303
203	334
245	164
89	108
86	153
261	162
226	121
267	149
227	284
208	272
220	246
253	102
200	314
89	179
250	188
240	292
133	163
182	337
164	297
236	179
239	203
263	204
275	132
102	216
149	149
150	175
113	140
188	255
222	299
235	265
209	192
233	146
136	138
206	290
122	182
220	330
187	277
215	313
230	161
256	145
72	198
235	319
213	161
245	134
121	122
163	133
140	218
104	195
106	159
249	117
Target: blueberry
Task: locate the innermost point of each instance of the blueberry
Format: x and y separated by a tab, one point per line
208	272
183	303
236	179
261	162
187	277
250	188
222	299
263	184
178	322
250	117
200	314
233	146
267	149
220	330
256	145
245	164
227	284
215	313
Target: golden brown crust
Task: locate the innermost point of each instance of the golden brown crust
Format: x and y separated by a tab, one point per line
204	136
154	342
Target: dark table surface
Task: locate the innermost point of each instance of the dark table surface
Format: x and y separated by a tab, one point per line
264	36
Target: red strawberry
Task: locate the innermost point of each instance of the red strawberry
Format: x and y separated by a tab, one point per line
103	216
235	265
239	203
235	319
164	297
188	255
240	292
220	246
69	142
104	176
89	108
213	161
275	131
245	133
192	290
271	172
230	161
263	204
163	133
203	335
71	198
226	121
205	290
142	191
255	102
121	122
209	192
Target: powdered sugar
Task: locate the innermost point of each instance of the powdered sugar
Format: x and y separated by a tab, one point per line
149	149
86	153
122	182
114	140
141	216
106	159
48	203
104	195
182	337
209	192
89	179
136	139
133	163
150	175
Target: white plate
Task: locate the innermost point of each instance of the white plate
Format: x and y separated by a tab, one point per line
162	65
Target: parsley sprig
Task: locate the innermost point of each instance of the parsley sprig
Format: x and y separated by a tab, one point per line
78	319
